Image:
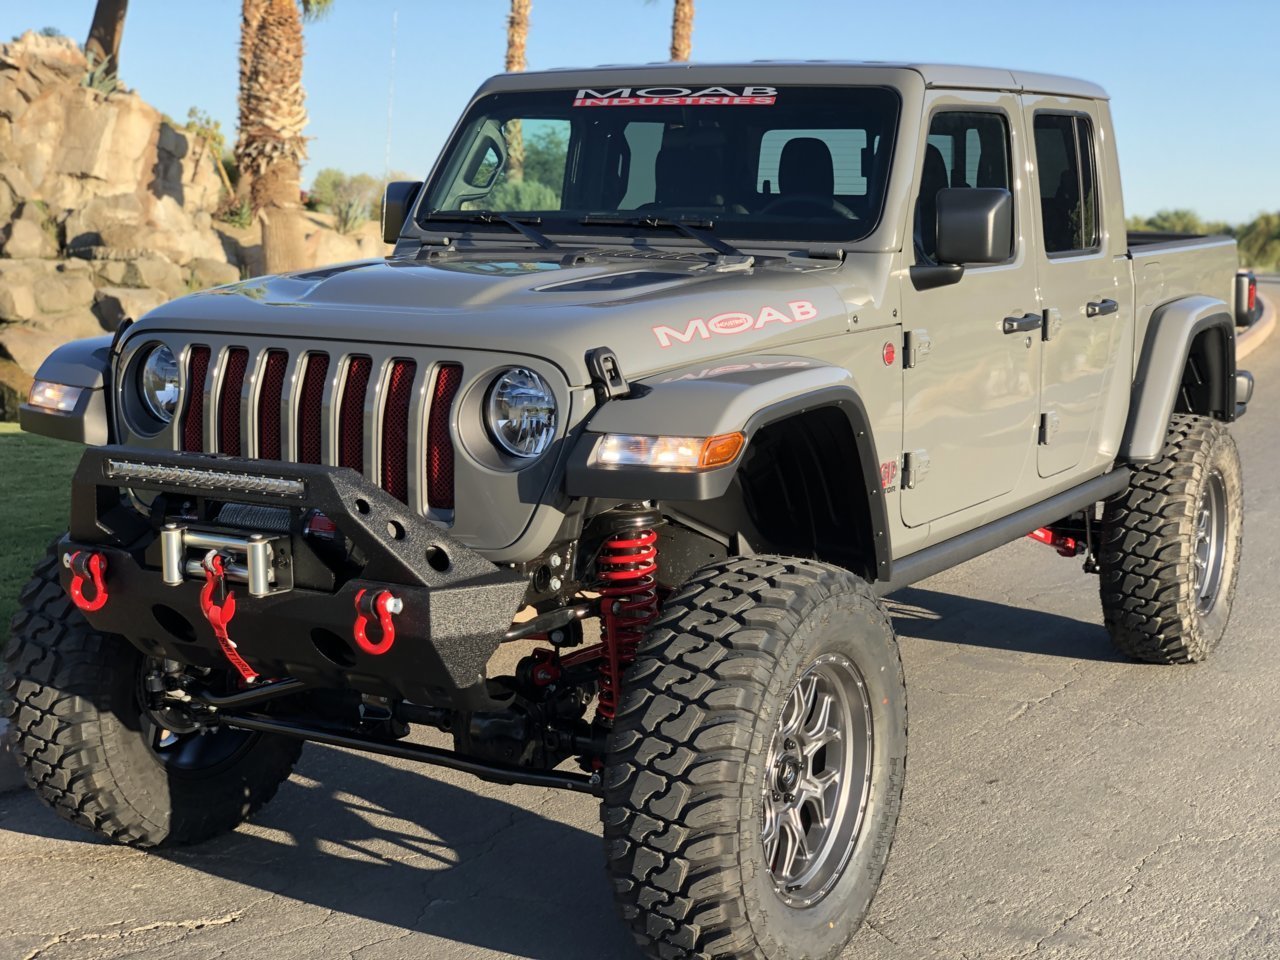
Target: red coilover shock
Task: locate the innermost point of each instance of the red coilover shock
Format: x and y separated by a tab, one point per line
629	603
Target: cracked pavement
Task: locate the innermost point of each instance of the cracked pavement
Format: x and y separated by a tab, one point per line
1061	804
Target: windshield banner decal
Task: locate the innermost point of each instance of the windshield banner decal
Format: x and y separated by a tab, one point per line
677	97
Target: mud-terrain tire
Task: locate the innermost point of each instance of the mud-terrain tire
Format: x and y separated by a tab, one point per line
700	746
1170	546
71	695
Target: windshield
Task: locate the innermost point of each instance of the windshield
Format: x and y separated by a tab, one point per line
784	163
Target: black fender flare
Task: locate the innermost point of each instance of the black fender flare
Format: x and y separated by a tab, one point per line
81	363
741	394
1173	329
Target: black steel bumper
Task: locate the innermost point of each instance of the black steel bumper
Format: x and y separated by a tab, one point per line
456	604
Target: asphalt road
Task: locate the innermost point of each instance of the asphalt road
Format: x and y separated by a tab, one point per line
1060	803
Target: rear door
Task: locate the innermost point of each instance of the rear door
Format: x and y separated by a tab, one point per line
1081	266
971	390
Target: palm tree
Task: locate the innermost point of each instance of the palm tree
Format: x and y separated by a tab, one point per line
682	30
103	46
517	38
271	148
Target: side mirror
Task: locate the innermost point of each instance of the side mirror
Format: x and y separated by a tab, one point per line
397	200
975	225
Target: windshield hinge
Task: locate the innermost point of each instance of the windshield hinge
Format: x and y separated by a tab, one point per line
607	379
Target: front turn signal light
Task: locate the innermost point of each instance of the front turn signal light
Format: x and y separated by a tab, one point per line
669	453
59	397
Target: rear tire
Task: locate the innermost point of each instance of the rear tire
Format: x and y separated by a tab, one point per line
732	699
85	744
1170	547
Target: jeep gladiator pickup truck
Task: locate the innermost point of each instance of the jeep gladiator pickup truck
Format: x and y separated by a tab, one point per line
674	371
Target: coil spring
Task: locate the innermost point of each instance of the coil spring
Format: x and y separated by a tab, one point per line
626	566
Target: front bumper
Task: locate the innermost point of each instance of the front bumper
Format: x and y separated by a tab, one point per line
457	606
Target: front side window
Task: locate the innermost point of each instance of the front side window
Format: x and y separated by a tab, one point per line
964	149
1067	175
806	163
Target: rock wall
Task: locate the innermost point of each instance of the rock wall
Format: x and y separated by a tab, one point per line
106	211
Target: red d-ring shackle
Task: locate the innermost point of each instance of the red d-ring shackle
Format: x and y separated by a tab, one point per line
383	606
87	566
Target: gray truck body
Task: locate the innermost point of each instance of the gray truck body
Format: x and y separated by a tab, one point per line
967	424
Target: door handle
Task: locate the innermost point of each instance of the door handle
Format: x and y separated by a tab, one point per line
1023	324
1100	308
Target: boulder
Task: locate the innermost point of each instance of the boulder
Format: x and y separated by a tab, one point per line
60	292
212	273
23	239
29	345
112	305
156	272
30	234
17	302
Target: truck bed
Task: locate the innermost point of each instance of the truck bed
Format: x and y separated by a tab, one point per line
1168	266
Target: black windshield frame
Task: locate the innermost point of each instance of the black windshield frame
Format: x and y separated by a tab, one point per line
728	138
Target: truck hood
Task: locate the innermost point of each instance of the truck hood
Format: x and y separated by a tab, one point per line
655	313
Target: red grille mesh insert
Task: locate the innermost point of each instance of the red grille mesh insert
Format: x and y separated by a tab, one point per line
395	429
193	415
351	415
270	405
439	441
309	407
229	402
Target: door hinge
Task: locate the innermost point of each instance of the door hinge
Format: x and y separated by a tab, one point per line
1049	424
916	346
1052	325
915	467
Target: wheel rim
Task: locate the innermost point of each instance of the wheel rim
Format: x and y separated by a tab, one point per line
1209	554
817	781
180	744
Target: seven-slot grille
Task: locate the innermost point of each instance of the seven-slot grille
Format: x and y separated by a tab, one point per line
380	408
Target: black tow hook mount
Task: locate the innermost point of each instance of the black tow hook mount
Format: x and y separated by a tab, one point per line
607	378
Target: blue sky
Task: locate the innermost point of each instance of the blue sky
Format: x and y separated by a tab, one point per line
1188	78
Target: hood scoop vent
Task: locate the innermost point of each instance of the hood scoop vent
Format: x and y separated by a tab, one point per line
612	281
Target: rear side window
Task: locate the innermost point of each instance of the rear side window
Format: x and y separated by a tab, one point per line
964	150
1068	182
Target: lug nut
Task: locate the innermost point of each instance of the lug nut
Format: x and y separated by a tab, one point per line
789	744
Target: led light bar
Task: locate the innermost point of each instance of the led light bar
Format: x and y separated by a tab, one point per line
164	475
58	397
677	454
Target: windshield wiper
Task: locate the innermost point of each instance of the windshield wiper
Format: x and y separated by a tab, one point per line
693	229
521	225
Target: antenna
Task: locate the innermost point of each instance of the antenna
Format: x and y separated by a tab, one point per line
391	94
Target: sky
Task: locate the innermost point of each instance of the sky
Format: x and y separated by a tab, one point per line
1188	79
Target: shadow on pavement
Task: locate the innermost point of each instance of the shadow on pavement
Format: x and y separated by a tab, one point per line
352	835
930	615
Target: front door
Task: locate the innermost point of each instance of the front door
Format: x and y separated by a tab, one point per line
971	390
1080	281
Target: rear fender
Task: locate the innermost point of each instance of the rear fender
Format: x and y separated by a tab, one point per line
1199	322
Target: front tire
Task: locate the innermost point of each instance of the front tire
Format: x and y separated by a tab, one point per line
92	753
1170	549
769	691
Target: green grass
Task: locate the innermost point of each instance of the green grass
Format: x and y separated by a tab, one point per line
35	496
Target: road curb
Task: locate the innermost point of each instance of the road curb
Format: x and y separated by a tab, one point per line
10	775
1256	335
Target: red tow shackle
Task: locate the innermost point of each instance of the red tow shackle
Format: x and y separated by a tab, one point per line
87	566
383	606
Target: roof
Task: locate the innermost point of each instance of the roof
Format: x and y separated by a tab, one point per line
935	75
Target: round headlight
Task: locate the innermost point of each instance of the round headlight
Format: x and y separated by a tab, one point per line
521	412
158	383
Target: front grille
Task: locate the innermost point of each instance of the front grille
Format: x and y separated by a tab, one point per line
387	418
